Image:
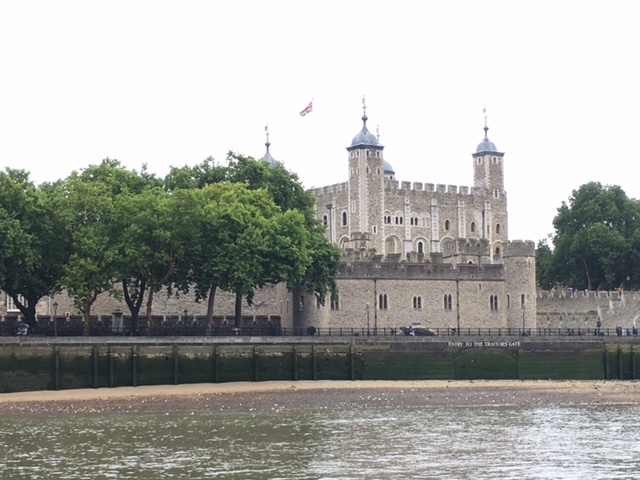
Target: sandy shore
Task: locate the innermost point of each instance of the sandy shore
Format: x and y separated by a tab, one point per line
288	395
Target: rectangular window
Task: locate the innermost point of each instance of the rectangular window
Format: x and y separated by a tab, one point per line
335	302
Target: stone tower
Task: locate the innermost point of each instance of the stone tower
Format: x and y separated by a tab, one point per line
488	182
366	191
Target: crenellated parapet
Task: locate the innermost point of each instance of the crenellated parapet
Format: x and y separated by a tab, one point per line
331	189
520	248
420	271
472	246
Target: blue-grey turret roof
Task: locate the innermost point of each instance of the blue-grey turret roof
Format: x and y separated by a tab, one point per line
267	156
387	167
365	138
486	145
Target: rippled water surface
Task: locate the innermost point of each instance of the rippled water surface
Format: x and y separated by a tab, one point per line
444	443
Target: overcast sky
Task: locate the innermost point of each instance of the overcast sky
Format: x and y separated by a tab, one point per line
171	83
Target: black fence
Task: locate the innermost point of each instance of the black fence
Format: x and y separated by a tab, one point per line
266	326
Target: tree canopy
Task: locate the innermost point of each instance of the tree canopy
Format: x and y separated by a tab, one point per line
596	241
107	229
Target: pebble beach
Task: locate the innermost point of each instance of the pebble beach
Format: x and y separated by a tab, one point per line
303	395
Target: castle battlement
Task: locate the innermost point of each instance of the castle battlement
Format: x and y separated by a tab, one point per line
335	188
433	188
573	295
520	248
420	271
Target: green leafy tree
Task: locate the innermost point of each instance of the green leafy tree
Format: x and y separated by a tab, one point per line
596	234
248	242
287	192
92	214
186	177
92	264
545	268
35	241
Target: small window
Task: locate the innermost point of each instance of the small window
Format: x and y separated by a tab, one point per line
417	303
473	227
497	228
497	251
447	225
378	171
496	194
344	219
493	303
447	302
522	304
382	301
479	161
325	219
374	229
368	171
378	154
335	301
420	247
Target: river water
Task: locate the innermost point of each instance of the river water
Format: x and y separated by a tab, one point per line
555	442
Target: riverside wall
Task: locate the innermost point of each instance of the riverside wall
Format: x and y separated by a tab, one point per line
39	364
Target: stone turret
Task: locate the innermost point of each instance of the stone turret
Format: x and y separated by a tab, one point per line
366	186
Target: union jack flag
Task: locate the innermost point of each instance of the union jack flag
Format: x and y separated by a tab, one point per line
308	109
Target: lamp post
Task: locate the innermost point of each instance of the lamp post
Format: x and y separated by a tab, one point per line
55	319
368	330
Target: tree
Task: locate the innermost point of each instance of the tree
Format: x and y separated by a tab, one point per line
35	241
247	242
92	265
596	234
186	177
545	270
287	192
91	198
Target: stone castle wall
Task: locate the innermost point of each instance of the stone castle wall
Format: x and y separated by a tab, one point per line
582	309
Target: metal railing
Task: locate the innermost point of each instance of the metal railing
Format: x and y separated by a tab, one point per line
63	329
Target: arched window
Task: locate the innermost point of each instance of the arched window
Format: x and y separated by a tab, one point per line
497	251
497	228
496	194
417	303
420	247
473	227
344	219
447	301
325	219
382	301
447	225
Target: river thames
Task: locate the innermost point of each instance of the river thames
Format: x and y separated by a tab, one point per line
484	442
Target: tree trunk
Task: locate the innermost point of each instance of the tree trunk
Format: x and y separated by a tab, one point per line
134	307
210	302
86	315
149	305
238	309
28	311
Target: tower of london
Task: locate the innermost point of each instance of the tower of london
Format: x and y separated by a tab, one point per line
426	253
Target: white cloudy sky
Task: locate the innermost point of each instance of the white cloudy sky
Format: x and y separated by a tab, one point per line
171	83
